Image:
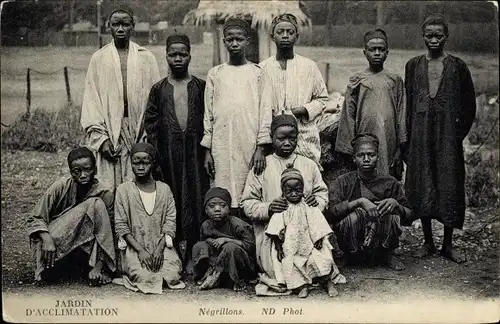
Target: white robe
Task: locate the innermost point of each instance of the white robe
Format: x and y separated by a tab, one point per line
300	85
261	190
103	105
232	122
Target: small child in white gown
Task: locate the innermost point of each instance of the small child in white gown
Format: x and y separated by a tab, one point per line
301	250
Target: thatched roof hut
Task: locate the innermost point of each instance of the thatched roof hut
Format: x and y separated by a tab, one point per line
258	13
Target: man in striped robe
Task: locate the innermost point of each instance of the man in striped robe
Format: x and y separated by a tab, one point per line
293	84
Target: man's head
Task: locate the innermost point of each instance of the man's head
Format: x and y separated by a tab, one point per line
217	203
82	166
121	24
292	184
284	132
435	33
178	53
236	37
285	31
365	151
376	47
142	158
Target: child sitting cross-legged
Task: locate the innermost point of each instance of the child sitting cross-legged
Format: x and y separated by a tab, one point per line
301	249
226	251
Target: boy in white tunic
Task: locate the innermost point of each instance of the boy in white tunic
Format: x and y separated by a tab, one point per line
233	119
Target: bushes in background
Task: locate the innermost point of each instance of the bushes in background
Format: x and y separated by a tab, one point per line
43	130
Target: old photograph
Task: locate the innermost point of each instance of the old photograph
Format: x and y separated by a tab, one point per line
261	161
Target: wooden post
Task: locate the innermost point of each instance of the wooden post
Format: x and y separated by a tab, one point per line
327	76
28	93
66	80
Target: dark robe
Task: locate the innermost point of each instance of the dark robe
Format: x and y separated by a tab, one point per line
235	260
181	156
436	126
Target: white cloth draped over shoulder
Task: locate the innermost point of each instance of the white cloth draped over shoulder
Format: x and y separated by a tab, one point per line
103	102
300	85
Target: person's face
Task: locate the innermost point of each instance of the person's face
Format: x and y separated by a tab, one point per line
434	37
236	40
121	26
217	209
285	140
293	190
142	164
376	51
83	170
365	157
285	35
178	57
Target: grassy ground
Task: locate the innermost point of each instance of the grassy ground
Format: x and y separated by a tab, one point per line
48	90
25	176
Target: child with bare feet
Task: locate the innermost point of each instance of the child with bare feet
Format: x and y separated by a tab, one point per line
302	252
145	225
226	251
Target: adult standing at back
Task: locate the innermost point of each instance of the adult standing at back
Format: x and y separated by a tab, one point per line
119	78
293	84
174	125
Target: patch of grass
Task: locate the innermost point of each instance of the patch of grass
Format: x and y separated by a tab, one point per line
48	131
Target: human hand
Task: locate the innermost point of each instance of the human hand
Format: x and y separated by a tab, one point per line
278	205
107	151
396	169
319	244
311	201
218	242
48	250
145	259
387	206
258	161
157	258
280	253
209	164
370	208
299	112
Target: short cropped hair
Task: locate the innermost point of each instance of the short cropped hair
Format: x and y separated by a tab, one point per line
436	20
124	11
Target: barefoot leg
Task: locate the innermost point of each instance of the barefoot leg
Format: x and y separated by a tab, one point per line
428	248
304	292
239	286
95	274
447	250
330	289
211	281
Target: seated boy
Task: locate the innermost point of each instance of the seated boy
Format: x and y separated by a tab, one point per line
368	208
145	226
227	245
72	217
301	249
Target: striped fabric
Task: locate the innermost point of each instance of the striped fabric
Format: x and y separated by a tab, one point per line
300	85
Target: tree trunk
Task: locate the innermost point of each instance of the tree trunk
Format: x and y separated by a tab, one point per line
381	15
329	21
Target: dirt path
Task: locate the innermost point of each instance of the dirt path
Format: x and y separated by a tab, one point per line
25	176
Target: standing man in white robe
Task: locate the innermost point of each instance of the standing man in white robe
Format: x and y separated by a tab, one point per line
233	118
293	84
119	78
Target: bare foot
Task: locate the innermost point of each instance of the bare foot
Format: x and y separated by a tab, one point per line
239	287
394	263
177	284
304	292
330	289
95	275
211	281
425	250
105	278
452	254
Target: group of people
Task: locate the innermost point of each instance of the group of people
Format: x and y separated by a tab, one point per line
220	180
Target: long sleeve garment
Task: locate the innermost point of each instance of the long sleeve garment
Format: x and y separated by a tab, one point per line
301	84
435	176
261	190
232	123
132	218
103	106
72	223
235	259
347	188
374	103
181	155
